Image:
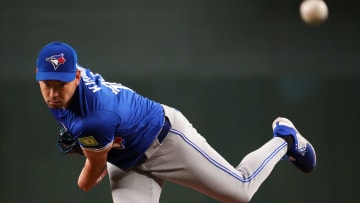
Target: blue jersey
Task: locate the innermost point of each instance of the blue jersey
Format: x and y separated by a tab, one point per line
101	113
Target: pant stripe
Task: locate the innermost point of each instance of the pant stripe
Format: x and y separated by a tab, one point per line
242	179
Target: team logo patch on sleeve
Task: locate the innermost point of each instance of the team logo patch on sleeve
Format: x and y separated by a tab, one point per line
88	141
118	143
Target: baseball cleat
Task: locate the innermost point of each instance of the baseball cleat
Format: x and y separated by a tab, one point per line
302	153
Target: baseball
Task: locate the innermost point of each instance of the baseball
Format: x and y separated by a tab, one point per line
313	12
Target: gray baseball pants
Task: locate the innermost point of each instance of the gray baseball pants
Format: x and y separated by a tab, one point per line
184	157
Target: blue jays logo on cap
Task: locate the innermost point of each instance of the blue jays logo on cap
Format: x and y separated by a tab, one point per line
52	65
56	60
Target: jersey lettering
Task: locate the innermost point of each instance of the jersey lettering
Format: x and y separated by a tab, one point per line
115	87
91	84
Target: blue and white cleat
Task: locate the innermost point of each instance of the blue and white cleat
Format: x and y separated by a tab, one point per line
302	154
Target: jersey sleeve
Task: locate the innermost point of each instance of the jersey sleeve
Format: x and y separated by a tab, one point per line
97	129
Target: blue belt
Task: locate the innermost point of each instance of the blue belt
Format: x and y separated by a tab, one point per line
164	130
162	134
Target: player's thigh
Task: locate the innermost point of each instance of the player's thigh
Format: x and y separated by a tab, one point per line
187	159
133	186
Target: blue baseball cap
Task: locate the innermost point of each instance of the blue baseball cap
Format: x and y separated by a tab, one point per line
56	61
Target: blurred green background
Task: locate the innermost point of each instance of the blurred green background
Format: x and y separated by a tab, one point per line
230	66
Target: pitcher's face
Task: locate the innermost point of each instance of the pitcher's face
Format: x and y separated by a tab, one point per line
57	94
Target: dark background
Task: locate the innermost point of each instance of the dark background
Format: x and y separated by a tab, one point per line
231	66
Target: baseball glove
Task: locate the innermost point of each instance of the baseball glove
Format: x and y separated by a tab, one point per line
67	144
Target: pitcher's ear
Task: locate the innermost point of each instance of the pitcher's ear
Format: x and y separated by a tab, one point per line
78	76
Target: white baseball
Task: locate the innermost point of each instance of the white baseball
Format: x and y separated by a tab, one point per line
314	12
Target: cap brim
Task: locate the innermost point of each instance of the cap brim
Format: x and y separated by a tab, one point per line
60	76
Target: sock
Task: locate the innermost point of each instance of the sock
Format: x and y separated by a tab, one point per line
290	142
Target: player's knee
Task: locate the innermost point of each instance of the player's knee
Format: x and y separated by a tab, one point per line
241	197
246	197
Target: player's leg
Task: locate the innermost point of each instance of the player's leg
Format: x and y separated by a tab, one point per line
200	167
186	158
133	186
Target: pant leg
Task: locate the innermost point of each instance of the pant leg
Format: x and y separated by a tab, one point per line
133	186
186	158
